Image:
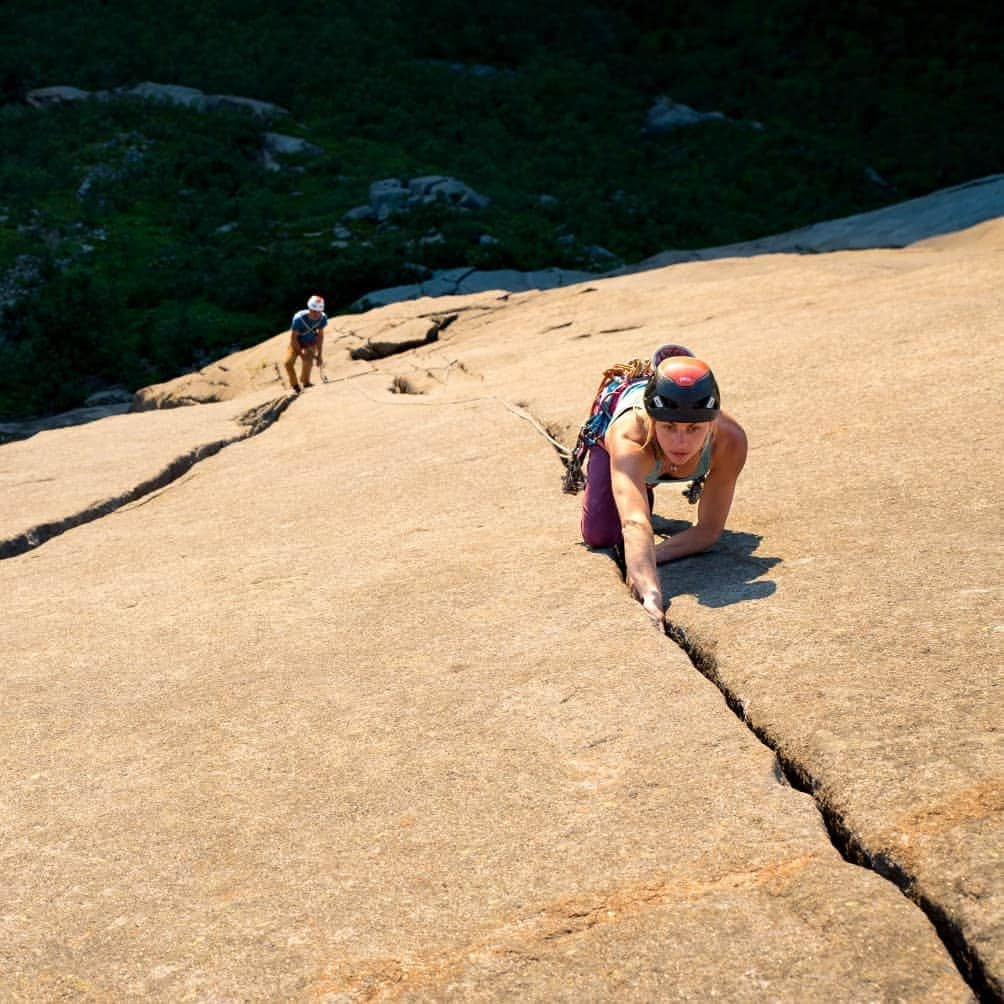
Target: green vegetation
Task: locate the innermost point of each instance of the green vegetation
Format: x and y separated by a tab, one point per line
150	239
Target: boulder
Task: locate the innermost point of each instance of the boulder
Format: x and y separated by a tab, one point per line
364	213
667	114
387	196
263	109
600	256
191	97
276	142
390	195
113	395
436	187
42	97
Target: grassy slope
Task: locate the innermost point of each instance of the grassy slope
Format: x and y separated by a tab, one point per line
189	247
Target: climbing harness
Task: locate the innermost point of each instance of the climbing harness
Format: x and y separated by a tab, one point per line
616	380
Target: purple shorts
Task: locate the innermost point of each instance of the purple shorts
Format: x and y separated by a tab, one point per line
601	522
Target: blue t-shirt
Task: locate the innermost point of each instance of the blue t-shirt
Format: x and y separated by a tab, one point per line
305	328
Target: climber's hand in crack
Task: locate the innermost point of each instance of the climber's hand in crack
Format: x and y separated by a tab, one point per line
653	607
651	601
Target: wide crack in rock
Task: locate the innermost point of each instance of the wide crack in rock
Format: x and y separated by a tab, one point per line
254	422
428	334
967	960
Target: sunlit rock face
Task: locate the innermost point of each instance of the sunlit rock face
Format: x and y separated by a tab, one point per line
344	709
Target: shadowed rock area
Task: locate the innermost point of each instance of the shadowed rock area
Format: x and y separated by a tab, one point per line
348	712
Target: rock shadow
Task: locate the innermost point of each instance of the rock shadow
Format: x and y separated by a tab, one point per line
728	573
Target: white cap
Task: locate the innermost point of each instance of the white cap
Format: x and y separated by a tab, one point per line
315	303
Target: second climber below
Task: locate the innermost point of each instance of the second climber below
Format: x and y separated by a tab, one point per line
306	342
667	427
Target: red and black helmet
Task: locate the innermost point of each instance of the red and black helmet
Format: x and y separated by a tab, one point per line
682	389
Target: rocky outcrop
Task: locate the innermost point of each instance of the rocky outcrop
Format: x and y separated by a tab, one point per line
945	211
349	713
252	369
277	143
43	97
273	143
462	281
190	97
666	115
391	195
898	225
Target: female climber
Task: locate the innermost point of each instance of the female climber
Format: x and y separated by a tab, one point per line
666	427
